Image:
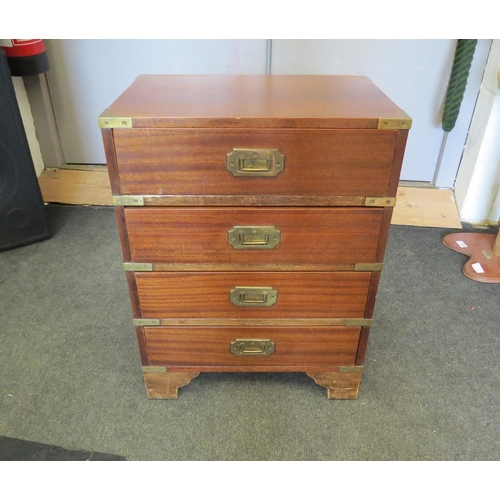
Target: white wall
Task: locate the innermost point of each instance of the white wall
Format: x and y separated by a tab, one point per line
28	122
86	76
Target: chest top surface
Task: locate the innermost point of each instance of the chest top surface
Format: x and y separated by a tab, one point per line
258	101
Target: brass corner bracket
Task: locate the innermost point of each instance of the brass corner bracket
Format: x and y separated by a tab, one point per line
154	369
375	267
128	201
403	122
358	322
373	201
145	322
108	121
136	266
351	369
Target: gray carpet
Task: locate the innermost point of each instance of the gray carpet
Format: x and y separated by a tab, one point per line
71	377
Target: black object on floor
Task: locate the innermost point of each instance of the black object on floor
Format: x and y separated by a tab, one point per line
23	218
12	449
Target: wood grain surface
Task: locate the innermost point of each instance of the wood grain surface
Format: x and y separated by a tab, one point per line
283	101
200	235
109	151
193	161
206	295
166	385
362	346
178	346
338	385
397	162
122	232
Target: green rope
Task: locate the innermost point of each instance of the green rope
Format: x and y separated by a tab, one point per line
458	80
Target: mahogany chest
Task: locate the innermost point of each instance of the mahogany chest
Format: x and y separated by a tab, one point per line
253	213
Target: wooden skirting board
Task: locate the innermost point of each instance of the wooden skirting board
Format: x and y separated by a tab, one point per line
416	206
75	187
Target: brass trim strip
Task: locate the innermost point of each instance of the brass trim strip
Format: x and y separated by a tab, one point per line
252	267
254	322
135	266
167	200
373	201
360	267
154	369
128	201
221	201
351	369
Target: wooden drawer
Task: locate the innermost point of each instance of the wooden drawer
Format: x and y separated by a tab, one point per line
321	236
207	295
187	346
193	161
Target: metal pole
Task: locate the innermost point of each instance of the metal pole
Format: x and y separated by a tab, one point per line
440	158
269	56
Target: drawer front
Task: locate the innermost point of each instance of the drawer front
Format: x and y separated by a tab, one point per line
193	161
252	294
319	236
184	346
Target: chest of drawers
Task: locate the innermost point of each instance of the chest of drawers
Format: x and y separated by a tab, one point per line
253	213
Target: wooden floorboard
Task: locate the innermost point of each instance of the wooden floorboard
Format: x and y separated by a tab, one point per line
416	206
428	207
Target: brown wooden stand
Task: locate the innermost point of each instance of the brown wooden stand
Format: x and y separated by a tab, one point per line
166	385
237	259
338	385
484	253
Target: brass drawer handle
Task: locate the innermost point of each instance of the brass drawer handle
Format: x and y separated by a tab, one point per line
257	296
252	347
259	237
255	162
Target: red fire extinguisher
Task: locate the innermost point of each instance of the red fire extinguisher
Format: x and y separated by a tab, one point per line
25	56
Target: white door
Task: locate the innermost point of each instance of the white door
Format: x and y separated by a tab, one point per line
87	75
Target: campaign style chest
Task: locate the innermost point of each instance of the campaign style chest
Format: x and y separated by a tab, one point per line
253	213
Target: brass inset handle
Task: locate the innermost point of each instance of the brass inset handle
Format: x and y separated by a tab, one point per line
255	162
257	296
258	237
252	347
